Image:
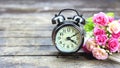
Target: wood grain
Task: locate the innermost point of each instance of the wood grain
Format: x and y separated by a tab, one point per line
28	51
43	50
115	57
25	34
47	62
25	41
24	6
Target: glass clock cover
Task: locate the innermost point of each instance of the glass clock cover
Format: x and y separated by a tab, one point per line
68	39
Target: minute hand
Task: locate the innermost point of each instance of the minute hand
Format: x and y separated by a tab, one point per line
74	35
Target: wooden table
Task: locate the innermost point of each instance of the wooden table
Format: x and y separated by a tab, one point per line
25	33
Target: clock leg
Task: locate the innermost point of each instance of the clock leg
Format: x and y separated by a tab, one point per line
58	55
76	55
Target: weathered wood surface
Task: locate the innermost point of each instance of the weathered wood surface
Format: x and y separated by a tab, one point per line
53	62
25	33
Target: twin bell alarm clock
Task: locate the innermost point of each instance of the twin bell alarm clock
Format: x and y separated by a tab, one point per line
68	34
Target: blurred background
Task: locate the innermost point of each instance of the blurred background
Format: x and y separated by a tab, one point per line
45	6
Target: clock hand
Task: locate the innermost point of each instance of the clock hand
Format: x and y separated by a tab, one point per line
68	38
74	35
73	41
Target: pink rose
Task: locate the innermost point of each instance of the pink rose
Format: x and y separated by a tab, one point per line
114	27
119	48
100	54
101	19
85	49
101	39
113	44
111	19
116	35
119	20
90	44
98	31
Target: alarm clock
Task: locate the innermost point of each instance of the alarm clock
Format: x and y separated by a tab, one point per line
68	34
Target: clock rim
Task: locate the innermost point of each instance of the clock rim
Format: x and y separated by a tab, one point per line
57	28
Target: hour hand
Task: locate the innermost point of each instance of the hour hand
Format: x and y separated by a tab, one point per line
68	38
73	41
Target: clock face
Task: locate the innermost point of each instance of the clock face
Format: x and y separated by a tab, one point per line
68	39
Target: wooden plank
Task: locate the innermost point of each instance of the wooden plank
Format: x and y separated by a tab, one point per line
26	19
25	41
28	23
33	22
25	6
25	34
26	28
115	57
42	50
45	51
29	51
39	22
53	62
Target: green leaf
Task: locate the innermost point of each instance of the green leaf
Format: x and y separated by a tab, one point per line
89	25
111	14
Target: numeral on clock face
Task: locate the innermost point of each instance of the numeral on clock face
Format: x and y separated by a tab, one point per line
68	29
59	38
61	34
67	46
60	42
63	45
72	45
64	30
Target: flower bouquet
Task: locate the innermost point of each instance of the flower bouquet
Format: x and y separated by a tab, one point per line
105	35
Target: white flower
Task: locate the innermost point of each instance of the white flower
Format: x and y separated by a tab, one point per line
114	27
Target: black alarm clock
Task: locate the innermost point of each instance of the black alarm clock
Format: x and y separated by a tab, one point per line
68	35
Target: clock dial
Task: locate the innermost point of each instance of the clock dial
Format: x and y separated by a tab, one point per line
68	39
